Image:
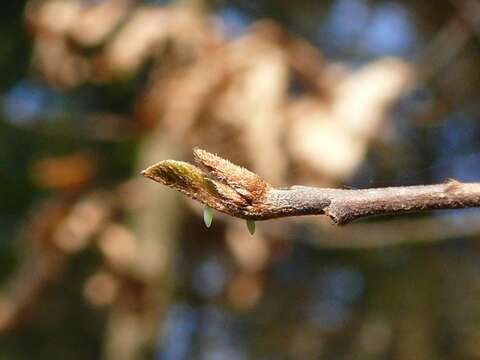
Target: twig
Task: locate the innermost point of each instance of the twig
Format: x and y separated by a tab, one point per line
238	192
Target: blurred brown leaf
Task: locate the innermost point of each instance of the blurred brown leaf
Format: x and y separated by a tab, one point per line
71	172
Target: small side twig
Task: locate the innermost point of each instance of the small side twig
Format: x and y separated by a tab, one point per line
238	192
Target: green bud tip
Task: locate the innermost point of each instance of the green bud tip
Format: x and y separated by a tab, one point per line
207	216
251	226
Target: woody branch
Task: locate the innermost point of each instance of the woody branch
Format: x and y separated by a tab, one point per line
238	192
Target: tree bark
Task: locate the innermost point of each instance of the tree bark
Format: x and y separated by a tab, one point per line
344	206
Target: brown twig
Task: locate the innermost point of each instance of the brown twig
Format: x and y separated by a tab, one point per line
238	192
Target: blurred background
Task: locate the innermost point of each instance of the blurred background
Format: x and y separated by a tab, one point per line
97	262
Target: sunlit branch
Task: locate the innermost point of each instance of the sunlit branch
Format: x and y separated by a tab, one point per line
238	192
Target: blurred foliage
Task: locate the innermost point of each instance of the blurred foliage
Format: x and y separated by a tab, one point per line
97	262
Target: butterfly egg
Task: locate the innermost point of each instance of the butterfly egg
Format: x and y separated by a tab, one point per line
207	215
251	226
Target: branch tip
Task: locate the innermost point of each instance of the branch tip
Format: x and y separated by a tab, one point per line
215	182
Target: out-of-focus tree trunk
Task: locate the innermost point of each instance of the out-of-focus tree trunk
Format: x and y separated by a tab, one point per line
132	330
414	335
